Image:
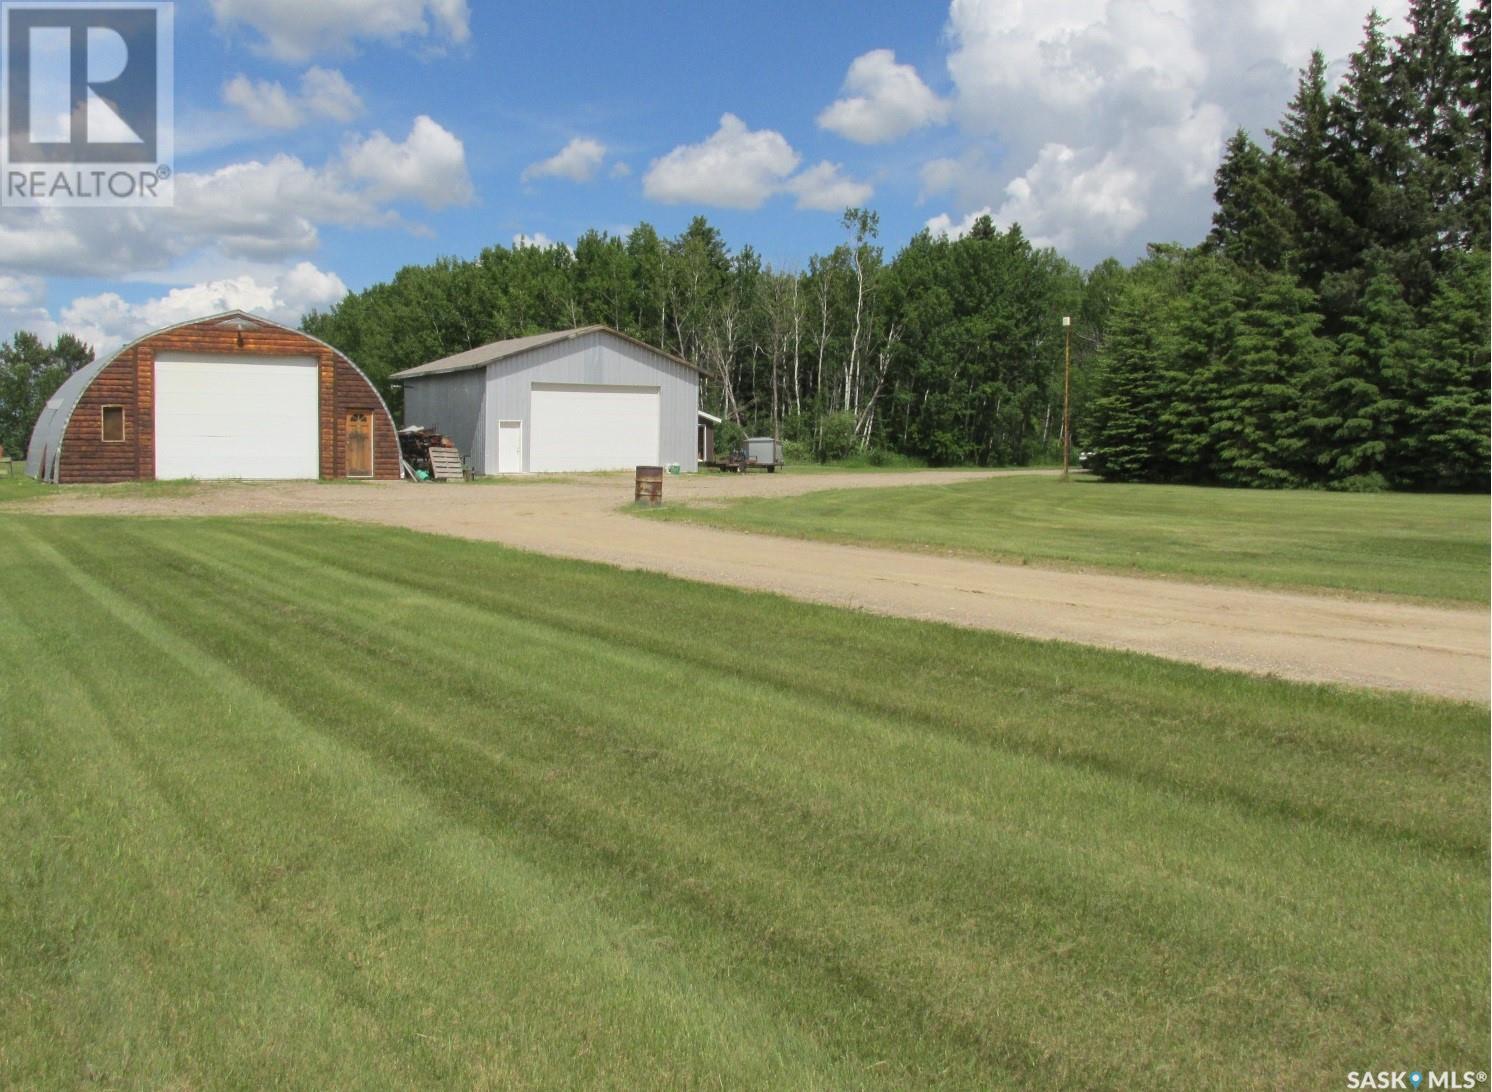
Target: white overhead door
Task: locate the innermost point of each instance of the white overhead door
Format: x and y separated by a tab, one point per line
574	427
236	417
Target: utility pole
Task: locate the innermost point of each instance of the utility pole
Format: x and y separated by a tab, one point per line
1066	393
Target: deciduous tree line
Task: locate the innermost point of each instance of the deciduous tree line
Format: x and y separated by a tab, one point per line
1333	328
948	352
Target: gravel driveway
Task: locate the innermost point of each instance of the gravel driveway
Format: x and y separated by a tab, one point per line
1392	645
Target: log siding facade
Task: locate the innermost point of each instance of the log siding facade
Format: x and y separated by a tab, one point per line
128	380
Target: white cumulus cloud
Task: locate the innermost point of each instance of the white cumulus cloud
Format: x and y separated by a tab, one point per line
1063	192
107	321
296	30
1098	124
736	167
263	102
324	94
741	168
886	100
21	292
824	187
578	161
428	166
254	210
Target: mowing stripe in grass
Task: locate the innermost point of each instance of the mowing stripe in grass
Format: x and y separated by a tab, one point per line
428	748
149	899
1205	733
546	697
869	857
591	959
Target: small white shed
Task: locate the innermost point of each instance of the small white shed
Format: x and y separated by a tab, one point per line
585	399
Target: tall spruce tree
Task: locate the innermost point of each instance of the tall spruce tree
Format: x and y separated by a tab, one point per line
1258	420
1253	224
1384	220
1203	327
1309	179
1444	443
1136	373
1364	402
1430	80
1476	87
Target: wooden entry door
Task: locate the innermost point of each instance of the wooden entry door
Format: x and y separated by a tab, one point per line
359	444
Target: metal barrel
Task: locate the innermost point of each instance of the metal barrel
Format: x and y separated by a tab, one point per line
649	486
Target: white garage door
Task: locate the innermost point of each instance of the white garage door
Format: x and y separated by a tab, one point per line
592	428
236	417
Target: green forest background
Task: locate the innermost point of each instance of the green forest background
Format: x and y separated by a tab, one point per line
1331	330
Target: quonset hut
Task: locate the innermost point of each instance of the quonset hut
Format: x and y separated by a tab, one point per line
230	396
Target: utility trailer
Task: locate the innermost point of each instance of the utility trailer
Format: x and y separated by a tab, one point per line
760	453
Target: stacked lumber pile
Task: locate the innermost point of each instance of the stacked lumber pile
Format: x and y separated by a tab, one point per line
433	457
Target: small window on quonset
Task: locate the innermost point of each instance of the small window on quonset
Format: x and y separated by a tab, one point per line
113	424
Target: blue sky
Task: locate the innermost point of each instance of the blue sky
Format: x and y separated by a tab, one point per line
322	144
533	77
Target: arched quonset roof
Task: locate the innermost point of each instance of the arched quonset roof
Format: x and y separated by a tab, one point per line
46	437
44	451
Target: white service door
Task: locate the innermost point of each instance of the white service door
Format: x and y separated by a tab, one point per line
510	447
236	417
592	428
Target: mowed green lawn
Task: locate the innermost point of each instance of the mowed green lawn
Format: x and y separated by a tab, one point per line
15	485
322	805
19	487
1389	543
